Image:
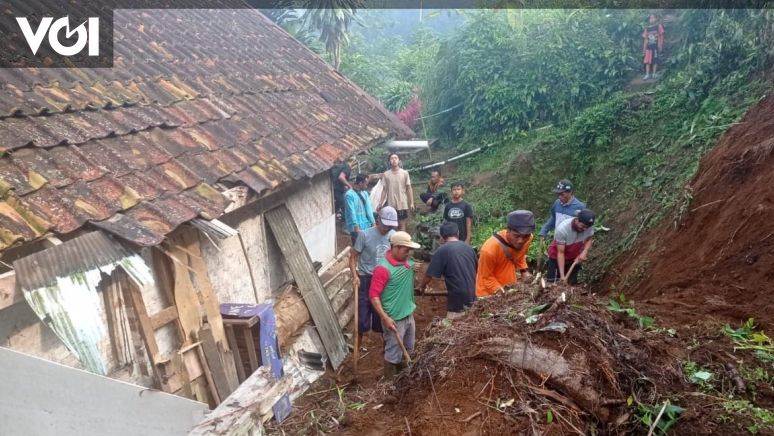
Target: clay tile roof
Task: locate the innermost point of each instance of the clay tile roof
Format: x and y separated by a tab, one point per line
194	98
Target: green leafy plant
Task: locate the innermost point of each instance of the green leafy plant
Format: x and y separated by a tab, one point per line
647	415
698	375
762	419
358	406
645	322
747	337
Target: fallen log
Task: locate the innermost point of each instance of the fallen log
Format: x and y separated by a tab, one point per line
564	375
292	314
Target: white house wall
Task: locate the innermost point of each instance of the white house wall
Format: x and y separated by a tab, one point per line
312	210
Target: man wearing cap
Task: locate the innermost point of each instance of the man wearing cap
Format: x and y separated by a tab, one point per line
565	206
571	244
392	295
504	253
369	249
456	262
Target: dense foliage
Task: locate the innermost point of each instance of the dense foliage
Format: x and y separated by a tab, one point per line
632	154
538	67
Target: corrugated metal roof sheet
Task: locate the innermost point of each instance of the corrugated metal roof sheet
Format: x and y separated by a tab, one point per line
195	97
77	255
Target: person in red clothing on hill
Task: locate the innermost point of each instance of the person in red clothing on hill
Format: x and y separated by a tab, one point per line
652	43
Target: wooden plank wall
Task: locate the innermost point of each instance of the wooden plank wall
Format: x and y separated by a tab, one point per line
297	257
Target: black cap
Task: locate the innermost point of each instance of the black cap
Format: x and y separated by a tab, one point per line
587	216
522	221
564	185
449	229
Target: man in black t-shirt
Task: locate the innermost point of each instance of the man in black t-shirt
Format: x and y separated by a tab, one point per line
455	262
459	212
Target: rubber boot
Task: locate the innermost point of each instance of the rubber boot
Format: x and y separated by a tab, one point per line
390	370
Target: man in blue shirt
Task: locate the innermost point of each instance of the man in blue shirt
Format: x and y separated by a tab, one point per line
357	211
566	206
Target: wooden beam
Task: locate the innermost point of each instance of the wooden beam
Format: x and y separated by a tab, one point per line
290	242
224	379
9	293
146	327
164	317
251	354
237	355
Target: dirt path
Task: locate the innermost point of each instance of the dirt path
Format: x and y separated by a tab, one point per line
313	412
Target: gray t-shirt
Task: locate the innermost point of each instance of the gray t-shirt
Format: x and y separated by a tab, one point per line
565	234
371	245
572	240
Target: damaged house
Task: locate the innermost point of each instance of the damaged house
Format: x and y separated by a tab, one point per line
154	216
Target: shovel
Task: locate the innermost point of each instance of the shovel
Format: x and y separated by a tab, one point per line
402	347
572	267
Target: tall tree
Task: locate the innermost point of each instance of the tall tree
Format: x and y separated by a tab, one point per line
331	18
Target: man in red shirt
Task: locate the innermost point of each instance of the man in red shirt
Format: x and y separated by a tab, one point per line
392	296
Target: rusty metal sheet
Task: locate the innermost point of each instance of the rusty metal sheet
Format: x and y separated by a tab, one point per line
79	254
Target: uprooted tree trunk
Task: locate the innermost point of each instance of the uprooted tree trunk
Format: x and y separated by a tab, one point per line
568	376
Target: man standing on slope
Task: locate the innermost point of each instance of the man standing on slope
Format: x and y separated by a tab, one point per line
396	190
456	262
358	215
566	206
572	242
504	253
459	211
392	295
367	252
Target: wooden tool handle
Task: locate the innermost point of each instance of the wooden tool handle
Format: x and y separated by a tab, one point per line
402	347
572	267
355	327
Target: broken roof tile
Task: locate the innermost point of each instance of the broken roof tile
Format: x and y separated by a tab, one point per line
130	229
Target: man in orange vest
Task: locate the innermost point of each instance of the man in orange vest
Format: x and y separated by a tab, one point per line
504	253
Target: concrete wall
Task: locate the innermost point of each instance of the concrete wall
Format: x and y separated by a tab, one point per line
42	398
312	208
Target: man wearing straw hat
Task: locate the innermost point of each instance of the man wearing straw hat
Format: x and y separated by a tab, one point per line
392	296
570	247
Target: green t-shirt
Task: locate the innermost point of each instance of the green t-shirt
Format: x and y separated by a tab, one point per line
398	294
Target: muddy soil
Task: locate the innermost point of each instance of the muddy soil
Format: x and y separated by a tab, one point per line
495	373
714	262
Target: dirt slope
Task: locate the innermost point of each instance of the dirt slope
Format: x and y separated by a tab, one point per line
718	264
